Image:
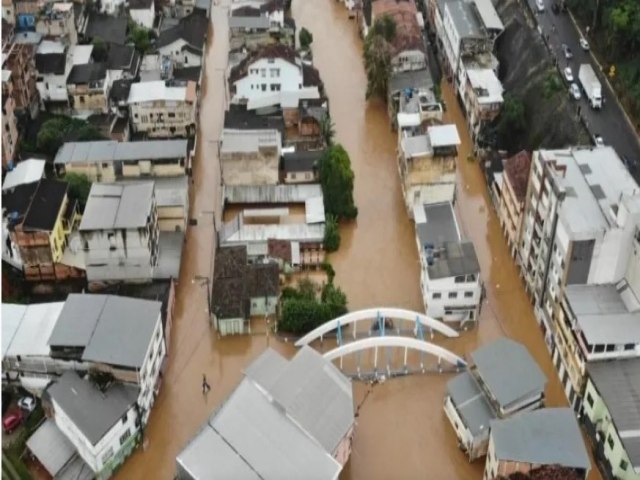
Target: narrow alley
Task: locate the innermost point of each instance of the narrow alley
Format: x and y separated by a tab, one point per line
402	431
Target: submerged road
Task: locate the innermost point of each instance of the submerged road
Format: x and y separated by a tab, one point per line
402	431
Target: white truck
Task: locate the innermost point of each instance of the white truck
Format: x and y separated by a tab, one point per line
591	85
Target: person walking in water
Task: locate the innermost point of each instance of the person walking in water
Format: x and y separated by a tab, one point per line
205	385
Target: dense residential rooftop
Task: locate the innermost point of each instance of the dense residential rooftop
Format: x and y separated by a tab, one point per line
117	206
103	151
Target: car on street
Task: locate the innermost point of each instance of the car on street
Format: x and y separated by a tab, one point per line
27	403
568	54
598	141
540	5
574	91
584	44
568	74
12	420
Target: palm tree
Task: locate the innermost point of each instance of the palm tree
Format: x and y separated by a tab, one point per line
327	130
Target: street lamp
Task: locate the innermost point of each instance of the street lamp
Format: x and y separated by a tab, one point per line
204	280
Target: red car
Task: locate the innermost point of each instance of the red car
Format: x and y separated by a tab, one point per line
12	420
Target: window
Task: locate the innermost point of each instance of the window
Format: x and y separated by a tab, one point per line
468	294
471	278
125	417
275	87
107	455
171	115
453	294
589	399
186	59
436	295
264	87
275	72
263	72
623	465
125	436
81	98
610	442
459	279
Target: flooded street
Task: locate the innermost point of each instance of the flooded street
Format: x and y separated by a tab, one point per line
402	431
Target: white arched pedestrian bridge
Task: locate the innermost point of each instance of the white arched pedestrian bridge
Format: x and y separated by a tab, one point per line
390	340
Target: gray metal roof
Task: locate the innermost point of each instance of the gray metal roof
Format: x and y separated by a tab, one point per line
455	259
489	15
508	370
440	226
261	23
109	151
317	396
267	368
618	383
251	437
234	141
117	206
464	19
414	79
92	411
52	447
271	193
471	403
124	332
548	436
602	315
77	320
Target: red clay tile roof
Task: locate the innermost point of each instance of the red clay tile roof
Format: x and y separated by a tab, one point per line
279	249
408	33
517	169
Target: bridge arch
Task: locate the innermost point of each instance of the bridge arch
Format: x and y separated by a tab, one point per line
374	313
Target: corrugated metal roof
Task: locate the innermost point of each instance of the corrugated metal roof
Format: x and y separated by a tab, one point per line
32	335
267	368
299	193
508	370
618	383
77	320
52	448
27	171
489	15
123	332
548	436
117	206
246	141
12	315
314	210
300	232
109	151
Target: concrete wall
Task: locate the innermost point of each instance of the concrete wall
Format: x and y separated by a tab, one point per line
143	17
251	168
9	130
408	60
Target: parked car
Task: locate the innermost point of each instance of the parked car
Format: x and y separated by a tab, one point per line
584	44
568	74
540	6
574	91
598	141
568	54
27	403
12	420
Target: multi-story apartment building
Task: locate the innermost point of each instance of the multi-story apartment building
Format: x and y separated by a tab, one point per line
10	137
159	109
87	86
612	417
19	59
580	219
108	160
503	381
119	232
53	70
481	94
250	157
450	272
427	164
513	192
40	216
58	21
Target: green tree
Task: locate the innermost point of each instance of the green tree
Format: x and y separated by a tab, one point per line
377	56
100	52
335	299
141	37
552	84
511	123
58	130
79	188
327	130
336	177
331	234
306	38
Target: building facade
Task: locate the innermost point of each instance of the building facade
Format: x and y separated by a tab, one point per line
10	137
513	192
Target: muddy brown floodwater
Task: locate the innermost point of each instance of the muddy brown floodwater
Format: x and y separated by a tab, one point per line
402	432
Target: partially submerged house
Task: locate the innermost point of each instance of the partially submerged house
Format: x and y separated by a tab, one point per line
287	419
502	381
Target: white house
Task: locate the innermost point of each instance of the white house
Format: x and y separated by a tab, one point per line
111	7
161	110
119	232
142	12
102	425
450	273
273	75
52	67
